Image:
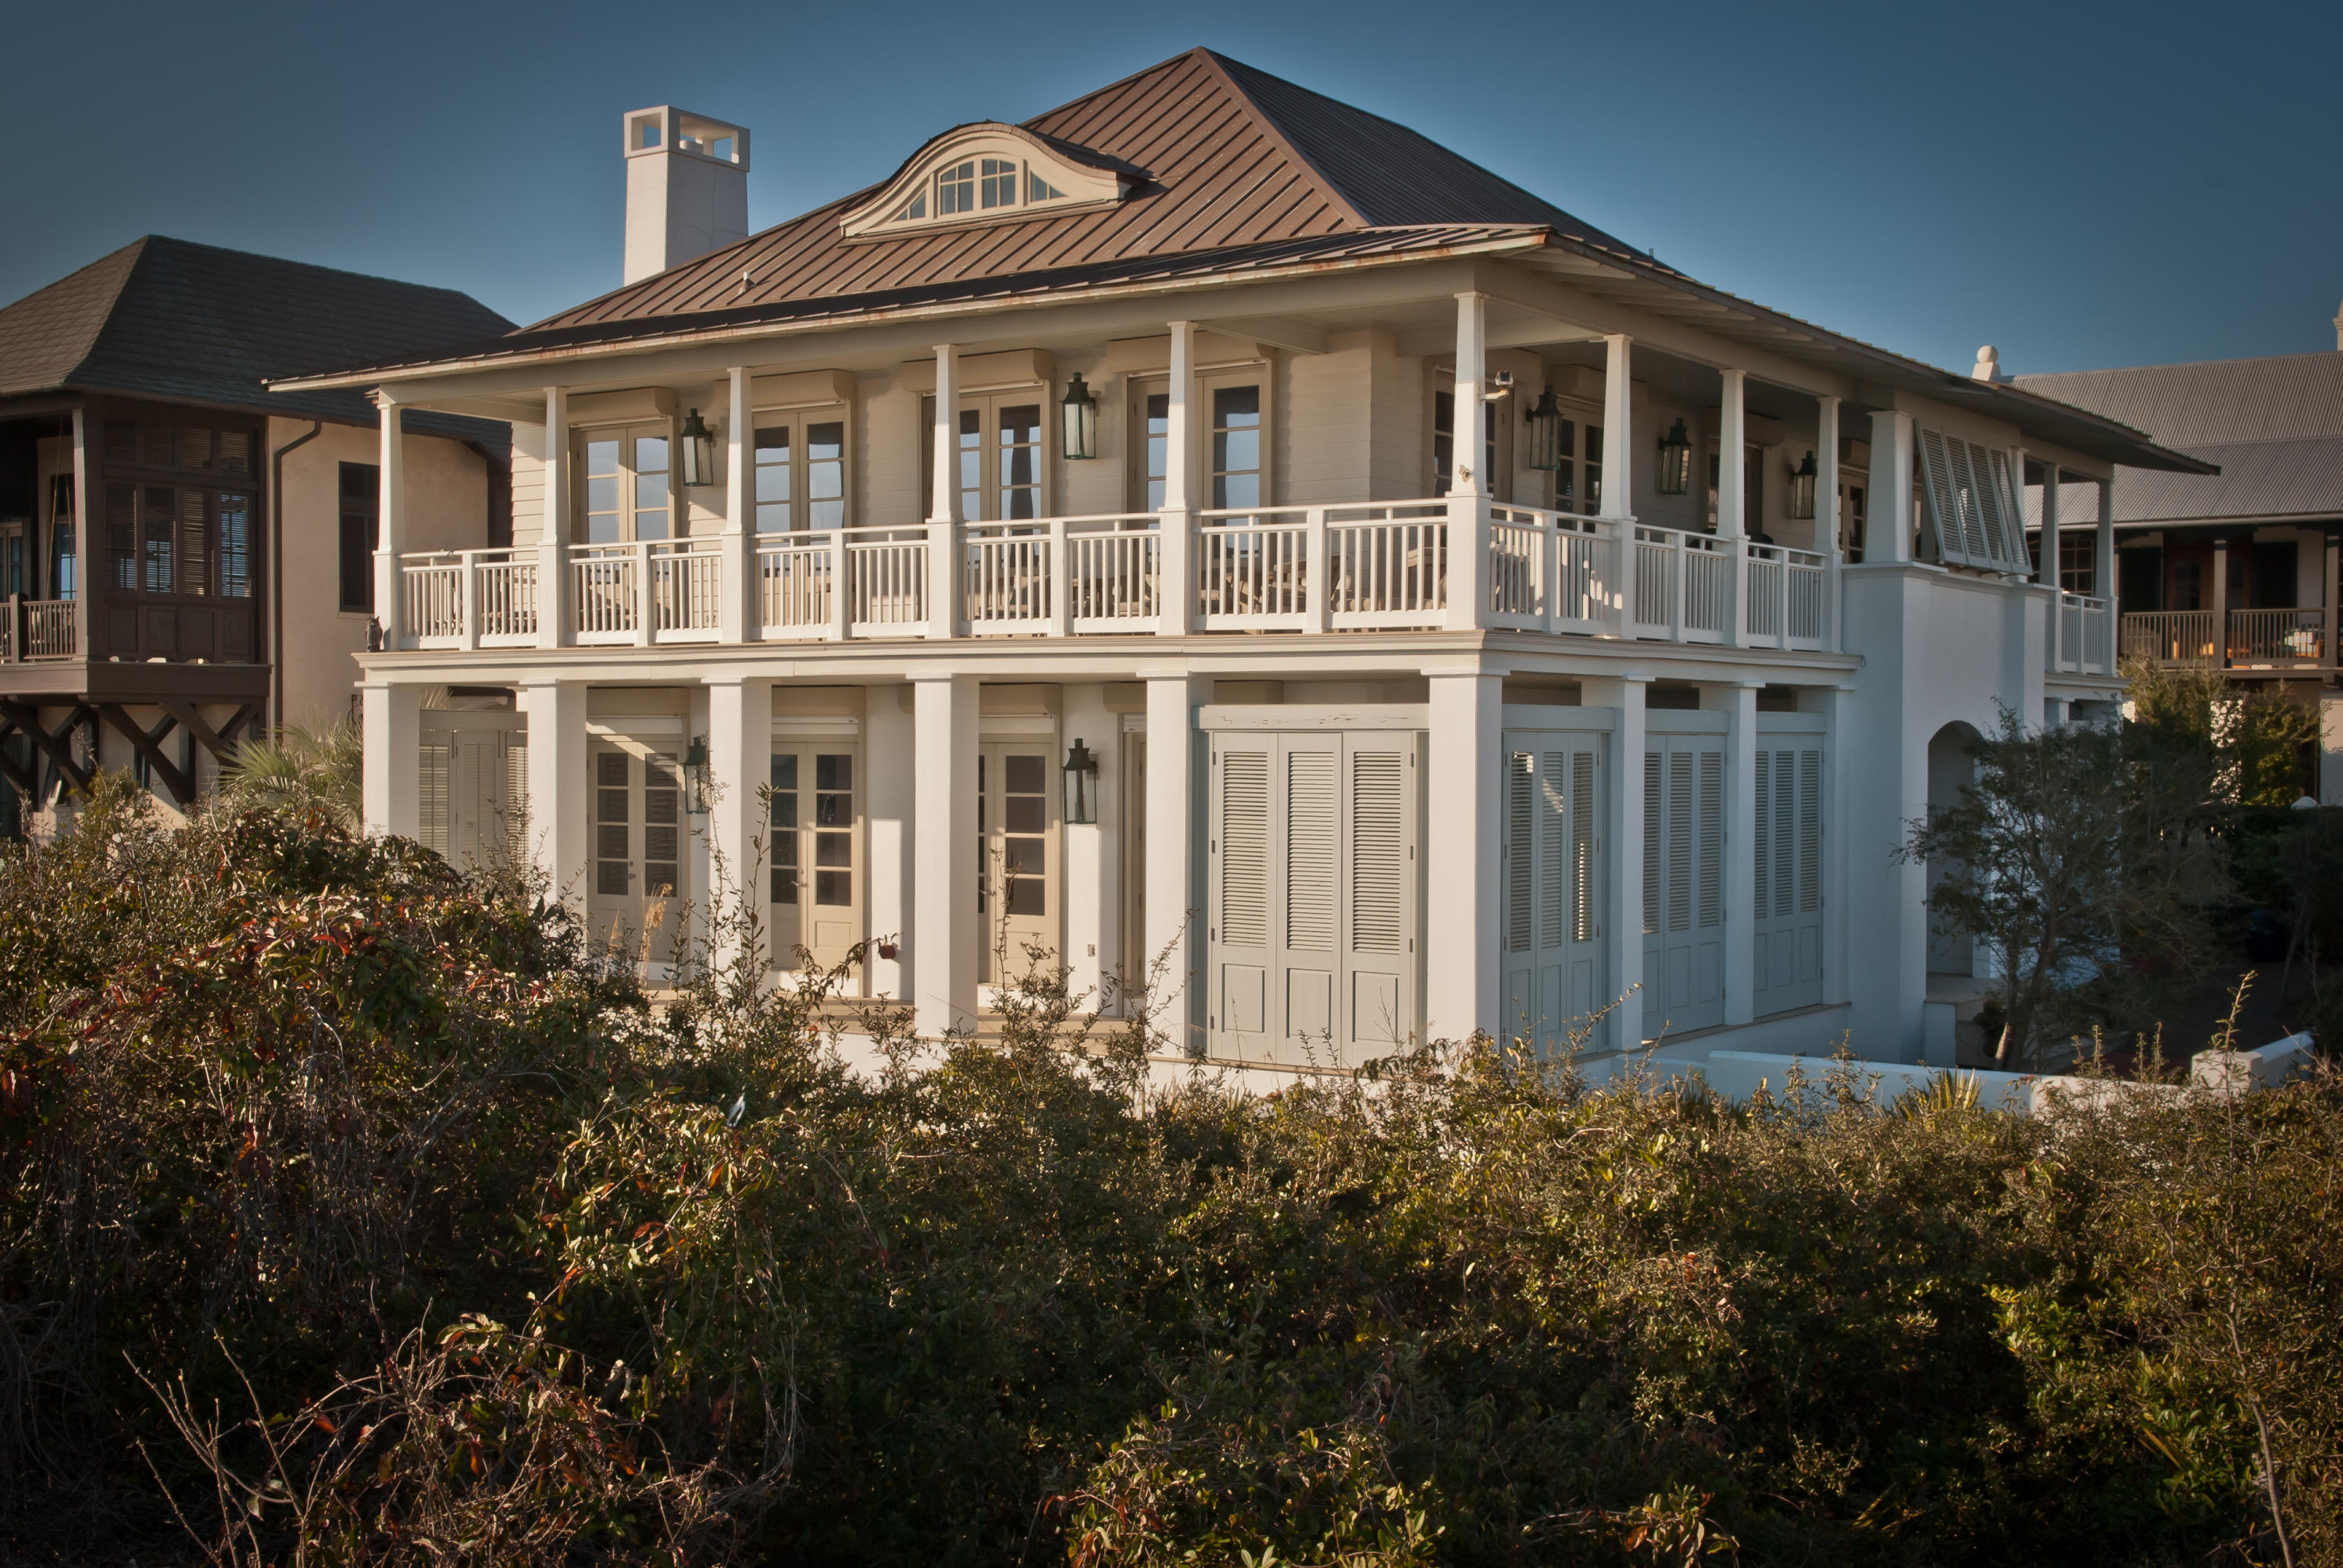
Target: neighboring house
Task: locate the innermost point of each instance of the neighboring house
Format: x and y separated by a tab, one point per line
1208	523
185	556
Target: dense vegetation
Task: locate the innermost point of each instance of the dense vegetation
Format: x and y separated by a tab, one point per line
352	1213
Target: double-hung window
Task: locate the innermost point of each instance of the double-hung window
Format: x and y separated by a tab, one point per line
798	471
627	491
361	498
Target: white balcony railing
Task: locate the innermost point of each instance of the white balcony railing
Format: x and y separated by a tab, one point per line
1308	569
2082	636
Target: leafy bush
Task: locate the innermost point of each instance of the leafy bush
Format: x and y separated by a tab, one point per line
297	1125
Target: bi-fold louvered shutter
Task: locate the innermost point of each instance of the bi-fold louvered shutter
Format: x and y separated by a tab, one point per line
431	805
1972	501
474	788
1553	967
1786	880
1683	882
1312	932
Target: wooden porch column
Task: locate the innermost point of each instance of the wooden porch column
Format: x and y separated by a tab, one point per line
1468	487
1887	530
738	615
2221	599
2045	571
390	537
2103	555
558	787
1741	808
2327	600
945	929
739	726
1463	850
1826	516
1733	501
391	772
1618	502
943	506
87	564
1175	561
553	532
1175	950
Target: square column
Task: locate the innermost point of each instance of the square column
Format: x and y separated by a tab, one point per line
1175	530
553	531
558	785
1468	487
1175	842
1837	805
1621	901
2046	570
737	612
1741	808
945	932
1732	506
393	740
1618	501
2103	564
1827	514
390	536
943	506
890	767
739	744
1462	849
1092	875
1887	527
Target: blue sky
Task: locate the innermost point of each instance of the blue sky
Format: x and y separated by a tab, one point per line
2079	185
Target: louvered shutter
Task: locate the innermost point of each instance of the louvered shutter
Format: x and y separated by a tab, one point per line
432	789
1313	889
1380	964
1521	852
1684	957
1786	971
1973	506
516	795
1240	923
1552	968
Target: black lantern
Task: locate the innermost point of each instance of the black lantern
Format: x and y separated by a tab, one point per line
1802	488
1081	784
699	450
1079	413
1544	422
1674	475
695	762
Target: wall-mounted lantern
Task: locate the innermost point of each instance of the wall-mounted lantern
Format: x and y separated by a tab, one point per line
1802	488
1544	420
1079	412
695	763
699	450
1081	784
1675	475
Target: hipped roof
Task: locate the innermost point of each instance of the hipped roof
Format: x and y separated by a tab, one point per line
170	319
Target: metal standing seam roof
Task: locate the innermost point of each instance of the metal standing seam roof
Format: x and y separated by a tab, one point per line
171	319
2273	425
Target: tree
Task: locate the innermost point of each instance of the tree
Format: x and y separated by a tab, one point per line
2081	857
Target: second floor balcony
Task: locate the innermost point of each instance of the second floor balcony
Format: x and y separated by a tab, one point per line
2301	638
1456	563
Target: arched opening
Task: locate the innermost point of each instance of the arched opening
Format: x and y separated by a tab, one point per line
1950	769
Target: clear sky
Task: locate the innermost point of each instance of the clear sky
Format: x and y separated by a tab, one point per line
2082	186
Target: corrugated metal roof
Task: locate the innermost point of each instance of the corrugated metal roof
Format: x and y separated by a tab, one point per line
168	319
1236	158
2273	426
2290	396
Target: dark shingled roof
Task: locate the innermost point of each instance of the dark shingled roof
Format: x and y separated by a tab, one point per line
169	319
1237	158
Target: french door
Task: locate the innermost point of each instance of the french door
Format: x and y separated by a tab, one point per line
1786	849
1017	816
1313	906
1684	883
637	885
815	851
1554	927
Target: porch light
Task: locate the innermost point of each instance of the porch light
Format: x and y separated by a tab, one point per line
1674	475
1544	422
699	450
1081	784
1802	488
1078	410
695	762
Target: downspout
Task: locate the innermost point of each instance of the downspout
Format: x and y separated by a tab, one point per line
276	574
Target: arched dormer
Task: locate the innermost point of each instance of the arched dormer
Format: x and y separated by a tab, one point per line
989	173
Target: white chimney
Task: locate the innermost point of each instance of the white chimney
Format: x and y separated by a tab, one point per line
687	189
1988	365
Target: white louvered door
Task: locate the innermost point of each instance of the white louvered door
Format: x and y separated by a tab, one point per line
1787	886
1684	883
1313	933
1554	927
474	793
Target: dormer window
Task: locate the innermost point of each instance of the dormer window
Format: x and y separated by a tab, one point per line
990	174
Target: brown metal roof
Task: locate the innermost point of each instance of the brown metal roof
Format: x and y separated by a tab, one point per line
1236	158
